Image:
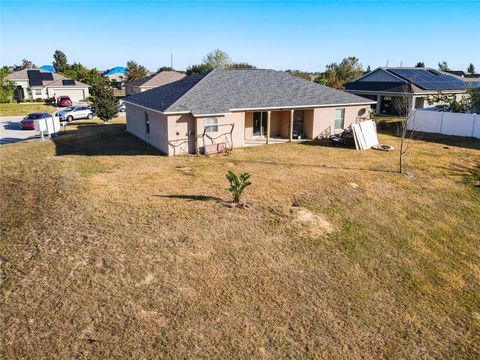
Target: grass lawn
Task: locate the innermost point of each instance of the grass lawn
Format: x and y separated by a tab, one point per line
109	250
24	109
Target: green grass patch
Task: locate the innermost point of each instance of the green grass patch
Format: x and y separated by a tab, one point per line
24	109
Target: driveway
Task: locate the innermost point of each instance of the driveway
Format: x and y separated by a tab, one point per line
10	131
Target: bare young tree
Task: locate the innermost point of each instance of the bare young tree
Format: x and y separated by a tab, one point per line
405	107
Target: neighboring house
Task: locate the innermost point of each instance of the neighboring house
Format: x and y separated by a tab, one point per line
116	76
471	80
388	86
50	68
152	81
240	107
36	83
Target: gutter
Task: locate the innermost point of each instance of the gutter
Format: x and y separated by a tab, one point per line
252	109
393	93
304	106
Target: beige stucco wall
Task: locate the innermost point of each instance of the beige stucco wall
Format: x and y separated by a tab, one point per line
275	123
238	134
285	124
323	123
181	134
308	123
248	125
158	136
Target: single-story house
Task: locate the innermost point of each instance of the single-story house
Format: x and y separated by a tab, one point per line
388	86
152	81
239	107
116	76
41	84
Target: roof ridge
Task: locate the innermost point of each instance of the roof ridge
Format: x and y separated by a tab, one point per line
186	92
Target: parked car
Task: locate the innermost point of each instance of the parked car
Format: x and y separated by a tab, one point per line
443	108
121	107
64	101
75	113
28	122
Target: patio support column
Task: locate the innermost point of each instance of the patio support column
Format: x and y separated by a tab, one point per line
290	132
378	107
269	113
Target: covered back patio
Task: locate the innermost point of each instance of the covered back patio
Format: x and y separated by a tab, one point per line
277	126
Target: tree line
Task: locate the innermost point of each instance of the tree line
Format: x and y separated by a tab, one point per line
335	75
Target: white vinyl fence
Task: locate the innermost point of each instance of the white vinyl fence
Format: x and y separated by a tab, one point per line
445	123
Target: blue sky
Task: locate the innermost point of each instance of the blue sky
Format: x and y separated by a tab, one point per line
275	34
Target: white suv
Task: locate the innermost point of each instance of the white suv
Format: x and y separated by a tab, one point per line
75	113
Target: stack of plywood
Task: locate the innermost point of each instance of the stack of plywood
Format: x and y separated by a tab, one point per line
365	134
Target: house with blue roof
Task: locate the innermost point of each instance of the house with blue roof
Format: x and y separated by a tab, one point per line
116	70
117	76
49	68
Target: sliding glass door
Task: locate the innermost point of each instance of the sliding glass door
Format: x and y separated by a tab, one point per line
259	123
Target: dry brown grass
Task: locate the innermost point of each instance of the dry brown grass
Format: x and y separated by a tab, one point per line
128	254
24	109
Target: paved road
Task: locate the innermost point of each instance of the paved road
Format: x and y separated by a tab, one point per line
10	131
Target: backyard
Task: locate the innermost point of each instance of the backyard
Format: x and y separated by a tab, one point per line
110	250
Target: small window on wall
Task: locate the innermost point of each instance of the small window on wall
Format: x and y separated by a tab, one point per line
38	92
211	125
339	118
147	123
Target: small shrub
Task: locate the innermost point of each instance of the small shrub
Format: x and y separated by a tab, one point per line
39	100
238	183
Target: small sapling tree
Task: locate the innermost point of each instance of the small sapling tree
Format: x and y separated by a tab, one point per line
238	183
405	107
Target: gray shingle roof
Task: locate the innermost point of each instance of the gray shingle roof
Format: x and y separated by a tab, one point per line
220	91
157	79
57	78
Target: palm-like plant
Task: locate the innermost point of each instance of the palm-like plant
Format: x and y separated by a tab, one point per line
238	183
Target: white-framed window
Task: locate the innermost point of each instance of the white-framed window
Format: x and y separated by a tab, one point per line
38	92
211	125
147	123
339	118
